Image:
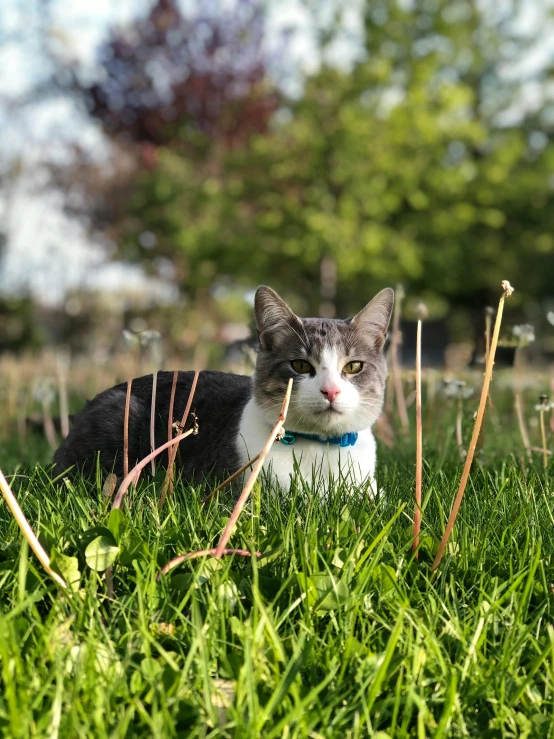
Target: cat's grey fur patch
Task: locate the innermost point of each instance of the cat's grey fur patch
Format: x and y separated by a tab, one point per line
285	337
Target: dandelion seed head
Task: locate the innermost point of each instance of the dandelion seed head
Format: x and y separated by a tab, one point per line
525	333
457	389
508	289
44	392
544	405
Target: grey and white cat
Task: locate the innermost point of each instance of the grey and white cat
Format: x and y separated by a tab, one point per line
338	371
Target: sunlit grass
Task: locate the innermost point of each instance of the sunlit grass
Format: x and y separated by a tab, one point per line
335	631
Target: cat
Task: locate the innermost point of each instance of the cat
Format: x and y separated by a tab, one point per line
338	370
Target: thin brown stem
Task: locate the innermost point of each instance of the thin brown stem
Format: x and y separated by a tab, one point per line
476	429
254	474
48	423
396	374
133	474
176	561
543	435
231	478
552	411
488	324
171	403
126	429
153	418
459	436
419	445
168	482
489	312
64	405
518	405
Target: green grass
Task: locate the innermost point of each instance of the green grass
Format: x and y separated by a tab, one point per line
334	632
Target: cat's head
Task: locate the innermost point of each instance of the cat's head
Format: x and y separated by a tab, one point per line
337	366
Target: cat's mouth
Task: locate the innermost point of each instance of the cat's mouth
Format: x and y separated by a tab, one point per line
331	410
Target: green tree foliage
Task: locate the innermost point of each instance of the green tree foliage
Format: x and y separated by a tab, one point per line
401	167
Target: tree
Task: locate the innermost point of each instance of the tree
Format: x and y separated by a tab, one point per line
402	167
398	169
191	83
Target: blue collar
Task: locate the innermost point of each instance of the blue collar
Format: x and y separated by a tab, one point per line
348	439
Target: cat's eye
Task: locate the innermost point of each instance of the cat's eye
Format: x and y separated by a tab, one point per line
302	367
352	368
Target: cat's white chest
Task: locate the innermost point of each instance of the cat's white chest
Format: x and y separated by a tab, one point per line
315	461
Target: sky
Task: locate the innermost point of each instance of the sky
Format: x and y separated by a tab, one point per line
49	254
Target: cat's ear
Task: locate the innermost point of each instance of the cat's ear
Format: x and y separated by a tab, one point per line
375	317
273	316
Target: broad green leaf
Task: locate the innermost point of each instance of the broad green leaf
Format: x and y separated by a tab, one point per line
101	553
86	537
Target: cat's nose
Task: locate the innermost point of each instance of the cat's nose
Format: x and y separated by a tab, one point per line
330	392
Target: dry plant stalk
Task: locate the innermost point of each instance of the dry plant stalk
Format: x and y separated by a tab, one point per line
543	407
22	417
552	411
508	290
171	404
422	311
396	340
544	447
459	435
254	474
168	482
10	403
134	473
176	561
231	478
153	418
64	405
518	404
48	423
126	429
28	532
489	313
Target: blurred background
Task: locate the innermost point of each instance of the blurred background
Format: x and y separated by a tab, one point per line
160	159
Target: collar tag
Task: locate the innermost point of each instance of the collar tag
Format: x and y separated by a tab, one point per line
288	438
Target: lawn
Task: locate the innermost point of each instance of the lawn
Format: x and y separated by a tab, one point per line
334	631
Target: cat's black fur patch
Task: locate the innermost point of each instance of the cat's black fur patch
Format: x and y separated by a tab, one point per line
218	403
